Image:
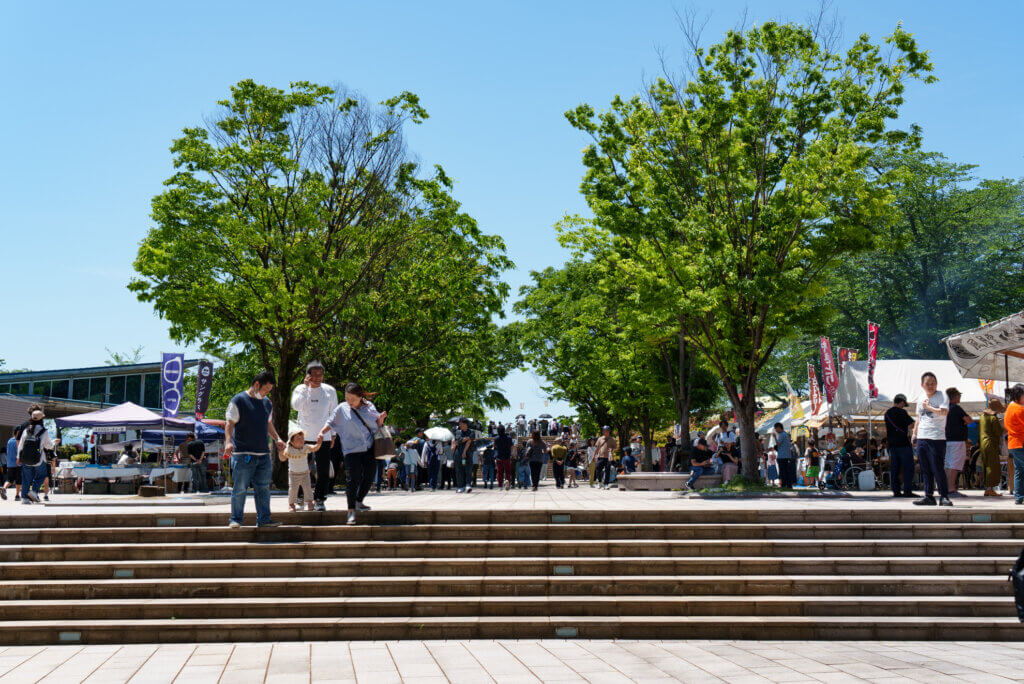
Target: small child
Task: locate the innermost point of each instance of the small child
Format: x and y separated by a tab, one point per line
296	454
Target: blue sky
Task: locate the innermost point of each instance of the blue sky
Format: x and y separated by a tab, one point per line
97	91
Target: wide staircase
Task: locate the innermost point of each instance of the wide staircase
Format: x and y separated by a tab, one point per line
783	574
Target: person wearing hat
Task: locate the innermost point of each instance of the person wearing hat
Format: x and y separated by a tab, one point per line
990	434
31	459
315	402
901	452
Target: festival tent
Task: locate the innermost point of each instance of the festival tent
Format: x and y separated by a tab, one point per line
789	422
992	352
903	376
126	415
205	432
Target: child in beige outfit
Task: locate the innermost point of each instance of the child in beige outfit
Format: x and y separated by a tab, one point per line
296	454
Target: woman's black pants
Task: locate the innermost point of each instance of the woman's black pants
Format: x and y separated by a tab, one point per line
360	467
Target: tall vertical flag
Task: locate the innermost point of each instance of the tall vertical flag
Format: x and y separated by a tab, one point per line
204	380
987	386
796	409
812	381
828	370
172	382
872	358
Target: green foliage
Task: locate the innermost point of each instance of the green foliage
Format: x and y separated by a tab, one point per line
80	458
298	226
726	199
953	257
127	358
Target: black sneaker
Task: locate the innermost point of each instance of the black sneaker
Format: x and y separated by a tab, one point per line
360	506
3	494
925	501
944	501
270	523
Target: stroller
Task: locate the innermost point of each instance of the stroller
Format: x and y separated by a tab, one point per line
834	480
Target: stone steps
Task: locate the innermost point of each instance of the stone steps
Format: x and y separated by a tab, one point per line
504	627
509	585
540	565
510	532
810	516
521	606
833	573
448	549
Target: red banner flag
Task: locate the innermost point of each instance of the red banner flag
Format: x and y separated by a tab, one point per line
828	370
844	357
872	358
812	380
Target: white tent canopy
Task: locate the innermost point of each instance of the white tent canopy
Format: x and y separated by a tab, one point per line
789	422
903	376
992	352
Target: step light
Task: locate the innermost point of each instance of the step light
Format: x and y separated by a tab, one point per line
165	522
69	636
565	632
560	518
563	569
124	574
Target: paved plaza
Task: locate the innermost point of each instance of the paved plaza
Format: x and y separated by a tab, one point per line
546	498
516	662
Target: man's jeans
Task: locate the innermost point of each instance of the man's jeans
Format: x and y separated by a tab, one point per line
523	474
32	477
251	469
198	471
931	454
489	473
901	468
1018	473
696	472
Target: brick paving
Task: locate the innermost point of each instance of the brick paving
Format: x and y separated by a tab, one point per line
427	662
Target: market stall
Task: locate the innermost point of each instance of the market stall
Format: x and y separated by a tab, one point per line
120	418
903	376
994	351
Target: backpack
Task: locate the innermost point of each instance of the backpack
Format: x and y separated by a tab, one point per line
1017	577
32	446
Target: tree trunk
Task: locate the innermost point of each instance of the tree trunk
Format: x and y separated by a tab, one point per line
744	409
648	437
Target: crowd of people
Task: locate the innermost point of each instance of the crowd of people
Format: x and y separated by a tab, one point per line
332	437
938	435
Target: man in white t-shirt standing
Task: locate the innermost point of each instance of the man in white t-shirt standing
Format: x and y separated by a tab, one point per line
315	401
930	435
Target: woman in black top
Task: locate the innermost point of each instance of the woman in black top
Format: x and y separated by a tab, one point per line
535	450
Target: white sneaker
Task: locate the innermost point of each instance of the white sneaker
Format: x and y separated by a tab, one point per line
469	489
351	518
32	495
234	524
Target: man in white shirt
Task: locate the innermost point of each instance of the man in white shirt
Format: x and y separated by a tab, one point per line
315	401
930	435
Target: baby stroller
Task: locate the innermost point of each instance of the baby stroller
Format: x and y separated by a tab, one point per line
834	480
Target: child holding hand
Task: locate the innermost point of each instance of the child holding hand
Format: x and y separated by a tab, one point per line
296	454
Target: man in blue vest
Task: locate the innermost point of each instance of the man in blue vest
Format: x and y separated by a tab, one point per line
250	421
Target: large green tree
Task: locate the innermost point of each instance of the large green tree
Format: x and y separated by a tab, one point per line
298	225
731	194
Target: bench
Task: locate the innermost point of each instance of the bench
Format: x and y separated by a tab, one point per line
662	482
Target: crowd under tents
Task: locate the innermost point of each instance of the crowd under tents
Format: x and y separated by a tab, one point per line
992	351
